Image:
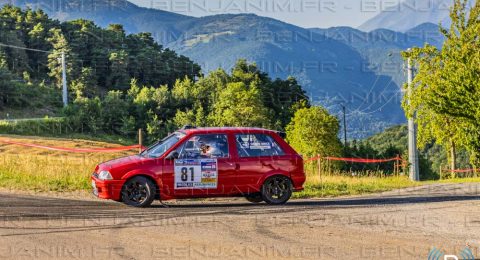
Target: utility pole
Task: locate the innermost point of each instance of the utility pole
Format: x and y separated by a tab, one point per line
64	81
140	140
344	127
412	130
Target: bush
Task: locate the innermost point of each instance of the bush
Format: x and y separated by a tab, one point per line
40	127
313	131
84	115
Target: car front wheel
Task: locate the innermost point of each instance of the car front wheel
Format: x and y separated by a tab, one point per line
138	192
277	190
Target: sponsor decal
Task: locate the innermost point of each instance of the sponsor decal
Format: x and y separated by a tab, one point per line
196	174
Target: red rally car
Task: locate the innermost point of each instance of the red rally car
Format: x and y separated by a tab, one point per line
205	162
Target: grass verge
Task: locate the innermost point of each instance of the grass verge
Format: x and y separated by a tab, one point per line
456	180
32	169
46	173
331	186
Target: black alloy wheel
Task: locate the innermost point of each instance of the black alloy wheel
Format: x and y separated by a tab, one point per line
277	190
138	192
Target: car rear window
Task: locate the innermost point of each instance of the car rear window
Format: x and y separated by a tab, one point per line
251	145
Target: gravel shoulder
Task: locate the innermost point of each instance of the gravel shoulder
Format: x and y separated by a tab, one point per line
400	224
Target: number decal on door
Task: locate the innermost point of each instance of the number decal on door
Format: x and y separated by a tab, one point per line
184	176
196	174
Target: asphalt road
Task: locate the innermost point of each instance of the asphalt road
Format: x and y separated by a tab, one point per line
401	224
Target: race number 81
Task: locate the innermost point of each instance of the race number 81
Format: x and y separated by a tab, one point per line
184	175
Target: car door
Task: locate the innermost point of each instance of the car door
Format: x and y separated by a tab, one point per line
257	154
199	174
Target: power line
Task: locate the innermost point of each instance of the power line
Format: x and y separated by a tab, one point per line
64	68
23	48
364	111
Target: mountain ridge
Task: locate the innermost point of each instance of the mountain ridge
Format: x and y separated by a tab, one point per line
162	24
409	14
333	70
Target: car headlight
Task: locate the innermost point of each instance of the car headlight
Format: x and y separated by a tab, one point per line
105	175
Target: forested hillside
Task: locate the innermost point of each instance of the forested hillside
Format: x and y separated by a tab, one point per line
98	60
381	48
120	82
164	26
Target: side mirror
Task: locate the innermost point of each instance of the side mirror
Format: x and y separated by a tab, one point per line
172	156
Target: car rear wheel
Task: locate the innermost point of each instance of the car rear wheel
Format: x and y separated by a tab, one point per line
138	192
254	198
277	190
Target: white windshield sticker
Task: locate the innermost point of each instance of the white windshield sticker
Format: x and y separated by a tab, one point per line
257	145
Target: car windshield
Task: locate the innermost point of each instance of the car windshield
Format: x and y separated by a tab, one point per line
159	148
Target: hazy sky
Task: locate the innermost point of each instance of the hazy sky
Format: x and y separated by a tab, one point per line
305	13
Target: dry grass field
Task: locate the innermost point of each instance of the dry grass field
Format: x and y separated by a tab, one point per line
27	168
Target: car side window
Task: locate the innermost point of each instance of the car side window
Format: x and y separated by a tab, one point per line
205	146
251	145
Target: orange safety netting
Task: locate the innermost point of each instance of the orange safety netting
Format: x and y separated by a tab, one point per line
358	160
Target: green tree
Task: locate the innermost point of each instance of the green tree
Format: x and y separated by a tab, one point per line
284	97
59	44
239	105
153	108
280	96
85	115
115	113
447	86
118	76
85	84
36	27
5	78
314	131
12	32
206	91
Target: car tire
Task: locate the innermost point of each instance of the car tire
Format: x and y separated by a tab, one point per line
254	198
138	192
277	190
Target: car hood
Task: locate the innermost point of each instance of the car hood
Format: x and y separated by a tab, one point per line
121	162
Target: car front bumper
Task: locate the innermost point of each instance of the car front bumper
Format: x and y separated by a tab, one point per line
107	189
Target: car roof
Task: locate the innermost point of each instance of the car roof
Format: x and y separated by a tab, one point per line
204	130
